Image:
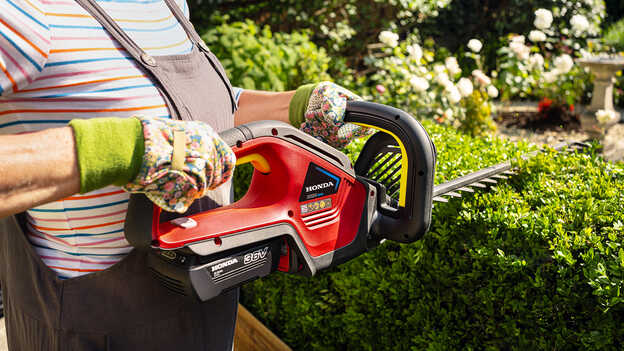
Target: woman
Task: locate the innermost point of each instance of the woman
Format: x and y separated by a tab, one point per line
70	280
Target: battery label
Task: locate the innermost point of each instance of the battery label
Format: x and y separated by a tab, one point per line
237	262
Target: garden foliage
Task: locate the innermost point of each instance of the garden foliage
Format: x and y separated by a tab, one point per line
535	263
256	58
343	26
614	35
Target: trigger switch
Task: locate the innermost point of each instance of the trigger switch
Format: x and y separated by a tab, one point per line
184	222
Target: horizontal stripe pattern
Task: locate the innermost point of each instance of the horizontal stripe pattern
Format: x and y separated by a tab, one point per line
56	64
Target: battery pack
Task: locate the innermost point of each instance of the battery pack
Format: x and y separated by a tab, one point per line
191	274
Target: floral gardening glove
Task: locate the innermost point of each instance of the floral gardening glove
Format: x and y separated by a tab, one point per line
319	109
172	162
173	176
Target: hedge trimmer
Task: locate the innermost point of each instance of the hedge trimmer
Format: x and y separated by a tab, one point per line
307	208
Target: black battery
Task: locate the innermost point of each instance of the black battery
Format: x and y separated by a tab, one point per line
190	274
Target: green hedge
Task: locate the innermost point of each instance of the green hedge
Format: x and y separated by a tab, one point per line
536	263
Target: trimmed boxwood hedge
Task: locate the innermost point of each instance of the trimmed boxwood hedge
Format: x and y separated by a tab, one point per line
535	263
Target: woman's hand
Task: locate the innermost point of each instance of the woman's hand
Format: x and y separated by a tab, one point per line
319	110
182	161
172	162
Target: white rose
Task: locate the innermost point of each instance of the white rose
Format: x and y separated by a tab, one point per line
415	51
452	66
475	45
564	63
543	19
453	94
518	39
389	38
419	84
439	69
481	77
550	77
606	116
521	51
465	87
536	61
443	79
492	91
448	113
579	24
537	36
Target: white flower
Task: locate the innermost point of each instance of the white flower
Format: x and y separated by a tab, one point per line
550	77
492	91
481	78
415	51
536	61
443	79
453	94
543	19
475	45
465	87
564	63
452	66
389	38
579	24
448	113
439	69
517	39
521	51
419	84
606	116
537	36
584	53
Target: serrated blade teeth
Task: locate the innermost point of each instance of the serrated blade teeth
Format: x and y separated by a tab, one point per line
479	185
509	172
440	199
489	180
453	194
468	190
498	176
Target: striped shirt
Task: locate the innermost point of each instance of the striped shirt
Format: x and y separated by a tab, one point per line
57	63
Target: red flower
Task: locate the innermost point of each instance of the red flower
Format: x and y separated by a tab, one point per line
544	105
571	107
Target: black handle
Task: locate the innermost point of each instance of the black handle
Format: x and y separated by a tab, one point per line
412	218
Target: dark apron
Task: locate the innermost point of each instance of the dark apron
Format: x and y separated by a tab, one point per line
124	307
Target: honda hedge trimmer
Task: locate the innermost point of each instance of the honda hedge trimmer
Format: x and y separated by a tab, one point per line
307	208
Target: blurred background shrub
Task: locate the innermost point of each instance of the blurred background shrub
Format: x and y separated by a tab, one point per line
256	58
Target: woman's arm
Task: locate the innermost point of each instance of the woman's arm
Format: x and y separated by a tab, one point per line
256	105
37	168
41	167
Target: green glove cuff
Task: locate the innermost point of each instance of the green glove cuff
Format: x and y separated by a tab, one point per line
299	104
109	151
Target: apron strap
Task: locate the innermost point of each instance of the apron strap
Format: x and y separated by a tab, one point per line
186	24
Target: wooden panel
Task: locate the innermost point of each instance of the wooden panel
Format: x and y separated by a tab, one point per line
252	335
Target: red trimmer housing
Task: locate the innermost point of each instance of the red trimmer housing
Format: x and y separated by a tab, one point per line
306	209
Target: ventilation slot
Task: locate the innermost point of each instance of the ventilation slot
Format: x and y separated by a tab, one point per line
170	283
322	219
386	169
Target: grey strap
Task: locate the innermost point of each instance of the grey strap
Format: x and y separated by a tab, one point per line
185	23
